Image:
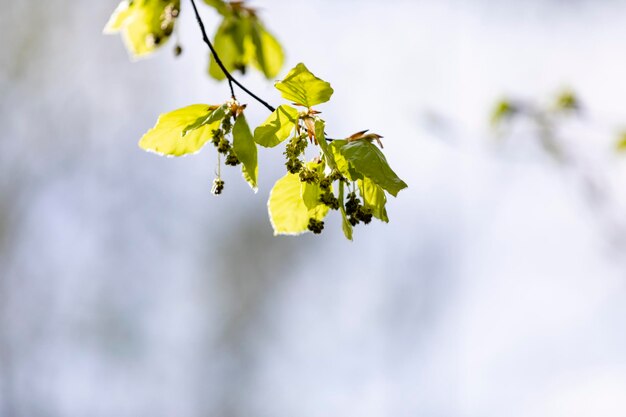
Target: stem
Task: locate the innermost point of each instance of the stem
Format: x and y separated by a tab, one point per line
229	76
231	80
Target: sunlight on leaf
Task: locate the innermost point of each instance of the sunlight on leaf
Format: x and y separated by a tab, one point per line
277	127
245	149
374	198
166	138
269	55
288	213
145	25
300	86
230	44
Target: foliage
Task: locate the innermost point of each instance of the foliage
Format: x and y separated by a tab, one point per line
145	24
350	176
241	39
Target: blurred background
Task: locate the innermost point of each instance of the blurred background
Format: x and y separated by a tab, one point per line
498	288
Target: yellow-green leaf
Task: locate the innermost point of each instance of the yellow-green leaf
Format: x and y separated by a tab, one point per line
246	151
166	137
277	127
230	43
374	198
145	25
288	213
320	126
300	86
342	164
219	5
216	115
117	19
345	224
269	56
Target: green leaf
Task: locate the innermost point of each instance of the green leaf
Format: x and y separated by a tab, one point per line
370	162
145	25
219	5
303	88
345	224
217	115
230	44
277	127
374	198
269	56
246	151
166	138
288	213
320	126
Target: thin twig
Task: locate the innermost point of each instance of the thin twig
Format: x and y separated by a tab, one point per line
231	79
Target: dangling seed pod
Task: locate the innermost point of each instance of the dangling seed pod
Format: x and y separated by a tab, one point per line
218	186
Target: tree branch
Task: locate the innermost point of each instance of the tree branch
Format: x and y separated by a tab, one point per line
229	76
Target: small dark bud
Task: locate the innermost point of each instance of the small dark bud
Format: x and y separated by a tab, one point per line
218	186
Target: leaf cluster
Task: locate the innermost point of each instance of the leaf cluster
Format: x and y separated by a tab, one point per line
241	38
350	176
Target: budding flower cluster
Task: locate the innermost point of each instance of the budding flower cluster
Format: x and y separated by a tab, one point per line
293	150
218	186
232	159
309	176
316	226
327	197
356	212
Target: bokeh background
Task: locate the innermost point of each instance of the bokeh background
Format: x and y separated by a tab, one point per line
498	288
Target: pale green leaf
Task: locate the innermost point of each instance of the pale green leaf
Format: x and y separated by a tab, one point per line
117	19
288	213
342	164
370	162
246	151
145	25
216	115
277	127
374	198
166	138
269	55
300	86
